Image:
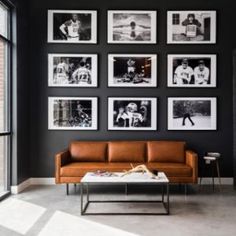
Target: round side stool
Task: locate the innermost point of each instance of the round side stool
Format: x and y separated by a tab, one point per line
212	159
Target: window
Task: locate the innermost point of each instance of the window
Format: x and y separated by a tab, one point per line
175	19
5	108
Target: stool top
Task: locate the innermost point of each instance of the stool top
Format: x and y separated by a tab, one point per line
213	154
209	158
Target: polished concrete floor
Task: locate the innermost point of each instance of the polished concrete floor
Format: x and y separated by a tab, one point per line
51	212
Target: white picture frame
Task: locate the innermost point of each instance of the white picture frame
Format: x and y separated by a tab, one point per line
62	29
192	113
131	27
191	27
132	113
72	70
192	70
132	70
72	113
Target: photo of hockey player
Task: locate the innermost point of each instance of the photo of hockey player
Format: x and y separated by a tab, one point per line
72	70
131	26
132	113
191	26
192	70
191	113
132	70
72	113
72	26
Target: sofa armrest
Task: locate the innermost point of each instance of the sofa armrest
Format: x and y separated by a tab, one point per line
61	159
192	161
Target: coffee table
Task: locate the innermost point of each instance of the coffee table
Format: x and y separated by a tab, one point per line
135	178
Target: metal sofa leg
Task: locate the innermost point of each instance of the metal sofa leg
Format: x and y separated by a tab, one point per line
126	189
67	189
186	189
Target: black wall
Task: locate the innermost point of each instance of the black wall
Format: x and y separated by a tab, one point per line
44	143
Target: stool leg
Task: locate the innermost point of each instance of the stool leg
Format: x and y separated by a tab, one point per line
213	181
218	173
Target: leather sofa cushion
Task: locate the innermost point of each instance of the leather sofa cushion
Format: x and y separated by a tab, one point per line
81	168
88	151
130	151
172	169
166	151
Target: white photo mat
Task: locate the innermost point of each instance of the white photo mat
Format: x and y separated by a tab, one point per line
93	13
213	68
111	77
110	25
94	113
200	120
170	27
111	111
93	73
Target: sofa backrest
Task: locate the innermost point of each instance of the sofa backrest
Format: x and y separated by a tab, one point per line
83	151
166	151
127	151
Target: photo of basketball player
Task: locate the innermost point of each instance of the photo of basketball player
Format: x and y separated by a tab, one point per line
186	27
131	26
192	113
72	28
72	70
132	70
132	113
192	70
67	26
72	113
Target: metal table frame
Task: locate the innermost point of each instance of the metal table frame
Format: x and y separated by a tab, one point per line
166	204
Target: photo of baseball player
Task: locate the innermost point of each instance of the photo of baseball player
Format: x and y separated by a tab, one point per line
183	73
201	73
192	70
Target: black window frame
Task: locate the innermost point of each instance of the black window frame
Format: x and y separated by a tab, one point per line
8	133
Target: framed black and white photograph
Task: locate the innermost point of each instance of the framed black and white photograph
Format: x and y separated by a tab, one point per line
195	70
72	26
192	113
131	27
186	27
72	113
72	70
132	70
132	113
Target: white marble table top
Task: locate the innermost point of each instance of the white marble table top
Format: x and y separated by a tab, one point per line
117	177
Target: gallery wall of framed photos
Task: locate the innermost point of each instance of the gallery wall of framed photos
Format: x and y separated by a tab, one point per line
117	71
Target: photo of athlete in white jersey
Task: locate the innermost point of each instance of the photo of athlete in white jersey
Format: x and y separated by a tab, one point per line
61	73
71	28
183	73
201	73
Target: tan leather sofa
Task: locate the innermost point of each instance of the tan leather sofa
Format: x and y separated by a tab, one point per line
171	157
